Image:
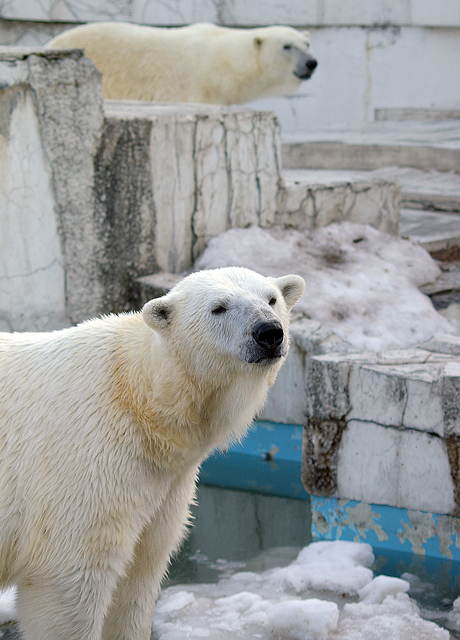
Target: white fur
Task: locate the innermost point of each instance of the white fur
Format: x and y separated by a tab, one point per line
198	63
103	427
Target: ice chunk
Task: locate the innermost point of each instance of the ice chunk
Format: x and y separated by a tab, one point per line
398	618
303	620
382	586
337	566
180	600
303	601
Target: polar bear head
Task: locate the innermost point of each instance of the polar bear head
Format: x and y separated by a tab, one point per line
221	320
284	56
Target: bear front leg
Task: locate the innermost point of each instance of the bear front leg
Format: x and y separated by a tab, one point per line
64	608
130	615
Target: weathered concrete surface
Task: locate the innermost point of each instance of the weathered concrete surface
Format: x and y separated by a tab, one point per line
424	190
432	230
50	129
422	145
403	115
231	12
317	198
216	168
406	153
211	169
379	427
91	201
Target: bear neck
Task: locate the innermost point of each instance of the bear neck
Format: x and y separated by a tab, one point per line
181	419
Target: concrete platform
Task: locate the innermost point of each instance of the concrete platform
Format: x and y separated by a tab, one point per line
434	231
418	144
416	114
317	198
431	190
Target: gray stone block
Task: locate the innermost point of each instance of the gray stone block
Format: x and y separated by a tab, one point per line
382	465
317	198
51	128
399	436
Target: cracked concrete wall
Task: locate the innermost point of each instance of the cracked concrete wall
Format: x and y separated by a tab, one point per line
124	214
210	169
31	266
385	429
90	203
215	168
376	203
51	119
380	429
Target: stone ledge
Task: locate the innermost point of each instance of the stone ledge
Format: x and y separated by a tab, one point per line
385	428
421	145
318	198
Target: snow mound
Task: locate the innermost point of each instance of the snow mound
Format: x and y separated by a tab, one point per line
308	600
361	283
311	599
337	566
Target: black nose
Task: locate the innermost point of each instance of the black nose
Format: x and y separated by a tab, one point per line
268	335
312	64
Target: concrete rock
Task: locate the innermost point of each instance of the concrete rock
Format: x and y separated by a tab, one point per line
383	465
399	429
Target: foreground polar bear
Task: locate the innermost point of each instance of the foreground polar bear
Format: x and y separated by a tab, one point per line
102	430
198	63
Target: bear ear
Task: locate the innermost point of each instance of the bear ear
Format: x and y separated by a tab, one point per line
258	42
157	313
292	288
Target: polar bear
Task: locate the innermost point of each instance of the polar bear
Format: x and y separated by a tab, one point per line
198	63
103	428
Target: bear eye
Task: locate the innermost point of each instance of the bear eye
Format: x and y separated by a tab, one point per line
272	302
287	47
218	309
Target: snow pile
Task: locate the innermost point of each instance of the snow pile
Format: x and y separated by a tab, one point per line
454	616
327	593
311	599
341	567
361	283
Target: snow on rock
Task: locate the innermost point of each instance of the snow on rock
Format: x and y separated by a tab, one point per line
308	600
361	283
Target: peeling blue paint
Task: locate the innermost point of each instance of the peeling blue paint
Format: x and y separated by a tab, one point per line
390	528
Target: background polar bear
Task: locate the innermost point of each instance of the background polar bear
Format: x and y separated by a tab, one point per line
103	427
198	63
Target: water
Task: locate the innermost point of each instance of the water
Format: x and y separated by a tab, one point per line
234	528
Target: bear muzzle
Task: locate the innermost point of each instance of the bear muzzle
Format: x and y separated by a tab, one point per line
306	67
269	339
